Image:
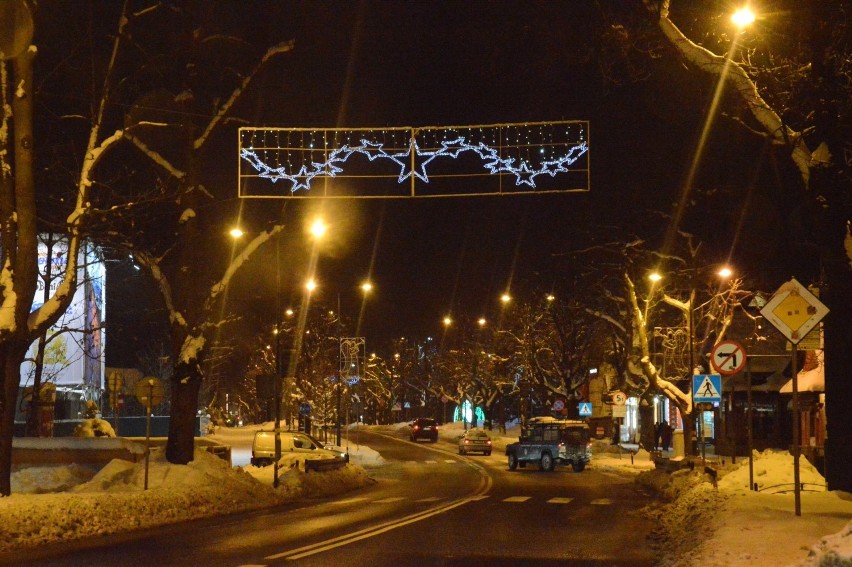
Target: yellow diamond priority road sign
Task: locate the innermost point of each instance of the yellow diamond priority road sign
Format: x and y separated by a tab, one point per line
794	310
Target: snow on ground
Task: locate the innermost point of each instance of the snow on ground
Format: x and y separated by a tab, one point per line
700	524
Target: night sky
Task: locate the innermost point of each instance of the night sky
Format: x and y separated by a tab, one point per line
383	64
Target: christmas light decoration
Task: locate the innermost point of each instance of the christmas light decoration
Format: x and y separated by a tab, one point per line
523	152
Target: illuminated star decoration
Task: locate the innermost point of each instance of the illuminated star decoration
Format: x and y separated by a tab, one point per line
524	172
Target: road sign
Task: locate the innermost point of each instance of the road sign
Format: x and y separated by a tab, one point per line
706	388
619	398
558	405
585	408
305	408
149	391
794	310
728	357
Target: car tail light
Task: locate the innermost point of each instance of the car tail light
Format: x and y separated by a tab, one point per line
488	442
436	428
466	441
416	427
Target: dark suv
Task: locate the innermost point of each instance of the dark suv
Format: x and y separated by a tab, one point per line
548	442
424	428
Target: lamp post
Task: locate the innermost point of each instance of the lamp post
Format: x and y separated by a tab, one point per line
689	309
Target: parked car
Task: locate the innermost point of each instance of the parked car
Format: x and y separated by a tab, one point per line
475	441
336	449
424	428
548	442
263	447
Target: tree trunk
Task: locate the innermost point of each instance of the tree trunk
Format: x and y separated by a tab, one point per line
688	432
185	385
11	356
837	333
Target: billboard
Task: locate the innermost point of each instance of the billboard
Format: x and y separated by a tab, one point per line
73	346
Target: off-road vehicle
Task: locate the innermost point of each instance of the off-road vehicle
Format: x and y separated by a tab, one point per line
549	441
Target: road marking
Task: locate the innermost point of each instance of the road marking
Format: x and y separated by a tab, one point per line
389	499
451	461
351	500
430	499
601	502
485	483
559	500
517	499
366	533
431	462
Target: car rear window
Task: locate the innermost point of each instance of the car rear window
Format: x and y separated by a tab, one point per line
575	436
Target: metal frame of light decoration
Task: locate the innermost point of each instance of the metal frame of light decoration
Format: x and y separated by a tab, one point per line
299	160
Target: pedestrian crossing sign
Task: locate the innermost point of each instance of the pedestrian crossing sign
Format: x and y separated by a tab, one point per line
706	388
585	408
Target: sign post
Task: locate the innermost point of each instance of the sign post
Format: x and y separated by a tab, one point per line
149	391
794	311
706	389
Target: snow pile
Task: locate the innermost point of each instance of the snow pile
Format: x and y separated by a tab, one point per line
733	526
114	499
773	472
94	427
39	480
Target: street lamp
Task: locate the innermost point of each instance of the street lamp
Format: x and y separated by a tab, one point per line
724	273
743	17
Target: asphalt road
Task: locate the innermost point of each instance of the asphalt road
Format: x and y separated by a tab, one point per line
430	506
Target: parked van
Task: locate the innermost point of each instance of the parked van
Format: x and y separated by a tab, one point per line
263	447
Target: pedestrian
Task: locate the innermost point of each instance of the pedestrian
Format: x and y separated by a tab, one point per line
667	435
658	436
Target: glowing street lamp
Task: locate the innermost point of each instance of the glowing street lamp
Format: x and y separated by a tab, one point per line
743	17
481	322
505	298
236	233
311	285
318	228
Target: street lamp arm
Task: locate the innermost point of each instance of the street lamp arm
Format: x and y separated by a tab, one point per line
709	62
219	287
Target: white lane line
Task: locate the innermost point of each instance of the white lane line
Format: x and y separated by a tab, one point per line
451	461
601	502
430	499
431	462
366	533
351	500
485	483
517	499
389	499
559	500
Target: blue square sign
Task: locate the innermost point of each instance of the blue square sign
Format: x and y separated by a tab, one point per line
707	388
585	408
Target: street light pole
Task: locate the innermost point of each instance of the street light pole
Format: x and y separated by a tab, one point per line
277	384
